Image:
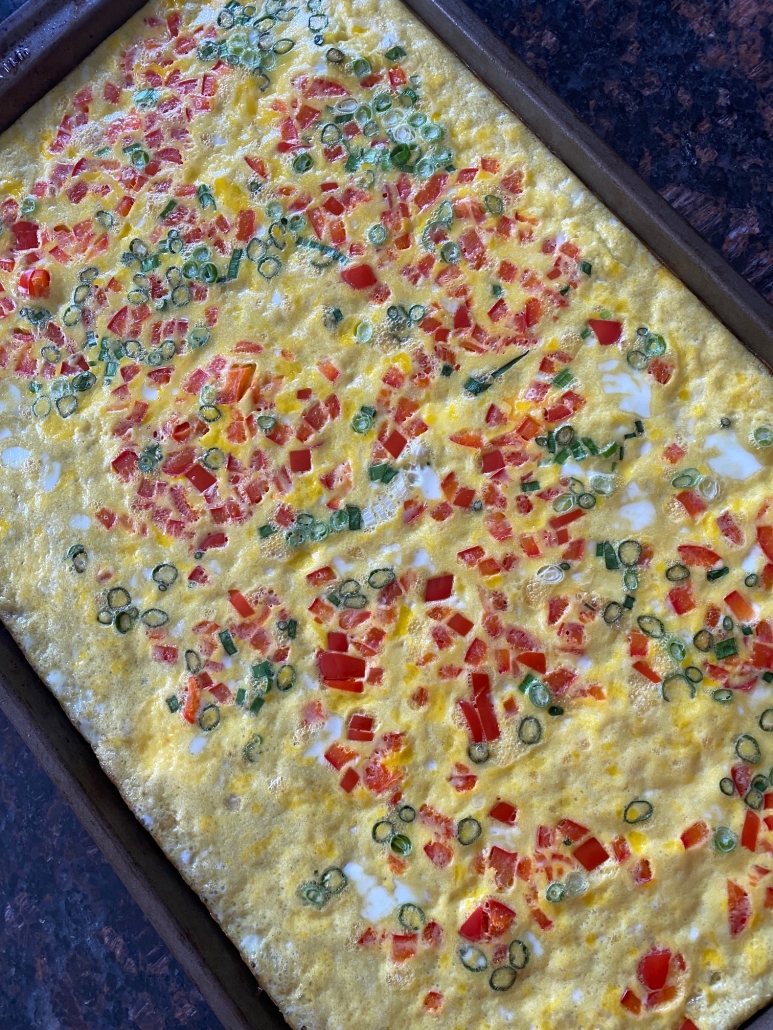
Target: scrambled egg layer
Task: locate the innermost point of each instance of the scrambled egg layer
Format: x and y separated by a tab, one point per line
394	527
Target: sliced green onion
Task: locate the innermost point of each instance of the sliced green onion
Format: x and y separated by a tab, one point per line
209	718
173	704
468	830
124	622
383	831
685	479
472	958
555	892
285	678
333	880
763	436
677	573
401	845
673	681
411	917
677	650
502	978
714	574
766	720
154	618
651	626
703	640
529	730
228	642
380	578
747	749
118	598
586	501
164	575
312	893
726	648
693	674
406	813
754	799
724	840
637	811
629	552
727	786
479	753
613	612
519	954
722	695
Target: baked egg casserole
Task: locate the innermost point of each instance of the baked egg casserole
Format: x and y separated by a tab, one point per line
396	529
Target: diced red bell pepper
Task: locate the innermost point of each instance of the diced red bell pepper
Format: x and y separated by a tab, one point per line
739	606
568	829
533	660
661	997
200	477
339	756
493	461
751	829
350	779
126	464
731	530
606	330
240	603
459	624
504	812
320	576
439	854
35	282
688	1023
647	671
653	968
490	920
336	666
192	694
566	519
360	727
337	642
681	598
697	557
695	835
488	719
641	872
504	864
631	1001
300	461
621	849
739	908
439	588
692	502
26	233
470	713
762	656
765	540
591	854
359	277
395	443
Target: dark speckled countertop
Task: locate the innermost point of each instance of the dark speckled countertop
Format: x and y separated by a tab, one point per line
684	92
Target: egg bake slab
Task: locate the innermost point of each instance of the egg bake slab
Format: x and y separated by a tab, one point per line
654	222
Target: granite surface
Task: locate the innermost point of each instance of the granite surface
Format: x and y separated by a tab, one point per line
684	92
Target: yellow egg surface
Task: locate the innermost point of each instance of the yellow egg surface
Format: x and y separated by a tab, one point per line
393	525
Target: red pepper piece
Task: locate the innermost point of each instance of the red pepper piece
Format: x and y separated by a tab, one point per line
359	277
653	968
751	829
695	835
591	854
200	477
739	908
240	603
300	461
607	331
439	588
504	812
336	666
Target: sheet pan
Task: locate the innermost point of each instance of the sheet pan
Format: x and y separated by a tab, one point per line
39	45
